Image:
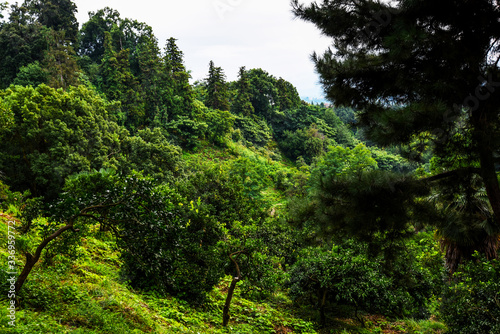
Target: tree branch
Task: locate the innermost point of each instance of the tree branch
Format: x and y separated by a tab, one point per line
453	173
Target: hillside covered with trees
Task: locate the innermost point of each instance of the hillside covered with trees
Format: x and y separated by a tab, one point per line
134	200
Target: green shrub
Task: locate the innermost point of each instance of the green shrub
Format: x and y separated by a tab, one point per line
254	129
348	275
471	300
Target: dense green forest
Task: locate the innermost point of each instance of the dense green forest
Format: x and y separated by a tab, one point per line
134	200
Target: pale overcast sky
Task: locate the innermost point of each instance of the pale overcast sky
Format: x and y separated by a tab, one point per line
232	33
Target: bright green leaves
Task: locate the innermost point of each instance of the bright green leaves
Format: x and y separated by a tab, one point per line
470	303
32	74
340	161
6	118
306	143
219	125
58	133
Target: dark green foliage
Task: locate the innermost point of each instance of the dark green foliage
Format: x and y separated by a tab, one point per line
466	224
341	275
60	62
180	102
186	132
288	97
21	43
263	91
217	88
470	299
125	34
354	197
174	57
437	78
122	58
258	248
242	104
150	152
369	203
307	143
154	86
119	84
59	15
254	129
170	245
225	191
346	274
346	115
28	37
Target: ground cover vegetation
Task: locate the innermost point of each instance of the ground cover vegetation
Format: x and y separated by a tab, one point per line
145	203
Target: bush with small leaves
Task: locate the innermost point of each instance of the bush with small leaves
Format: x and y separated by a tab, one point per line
471	299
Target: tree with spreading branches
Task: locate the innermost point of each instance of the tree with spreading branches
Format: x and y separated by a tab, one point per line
424	78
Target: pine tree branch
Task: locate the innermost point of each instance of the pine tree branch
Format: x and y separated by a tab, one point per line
453	173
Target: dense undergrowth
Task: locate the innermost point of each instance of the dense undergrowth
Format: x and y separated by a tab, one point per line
87	295
143	202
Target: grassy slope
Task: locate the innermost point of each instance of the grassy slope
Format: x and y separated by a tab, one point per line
86	294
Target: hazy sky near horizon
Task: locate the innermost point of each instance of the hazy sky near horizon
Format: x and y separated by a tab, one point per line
233	33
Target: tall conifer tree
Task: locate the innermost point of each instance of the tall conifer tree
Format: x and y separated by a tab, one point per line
120	84
417	71
242	104
217	91
182	98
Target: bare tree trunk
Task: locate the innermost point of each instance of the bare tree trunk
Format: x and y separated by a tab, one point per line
230	292
490	181
483	124
322	308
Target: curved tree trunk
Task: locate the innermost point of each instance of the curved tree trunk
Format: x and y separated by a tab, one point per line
230	292
31	260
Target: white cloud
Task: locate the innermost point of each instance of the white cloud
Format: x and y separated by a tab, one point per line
232	33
